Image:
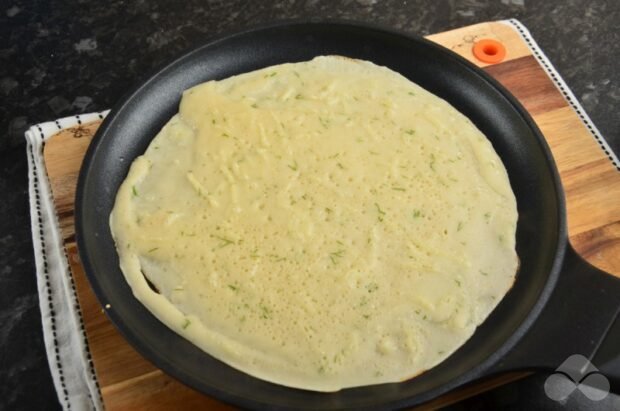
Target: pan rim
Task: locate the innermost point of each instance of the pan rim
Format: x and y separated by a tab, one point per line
128	98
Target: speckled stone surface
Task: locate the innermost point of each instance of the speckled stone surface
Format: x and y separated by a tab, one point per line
60	58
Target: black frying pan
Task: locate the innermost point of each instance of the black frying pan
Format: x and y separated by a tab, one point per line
558	306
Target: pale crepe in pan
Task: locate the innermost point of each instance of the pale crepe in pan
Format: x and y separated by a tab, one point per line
320	225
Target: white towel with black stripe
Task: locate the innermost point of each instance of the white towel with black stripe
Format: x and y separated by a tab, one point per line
63	331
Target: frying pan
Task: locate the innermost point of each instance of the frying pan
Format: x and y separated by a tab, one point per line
558	306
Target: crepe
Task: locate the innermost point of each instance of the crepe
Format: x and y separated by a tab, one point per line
320	225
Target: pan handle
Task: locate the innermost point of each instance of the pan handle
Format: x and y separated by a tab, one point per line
581	317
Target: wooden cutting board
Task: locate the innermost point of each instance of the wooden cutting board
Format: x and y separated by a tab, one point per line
591	183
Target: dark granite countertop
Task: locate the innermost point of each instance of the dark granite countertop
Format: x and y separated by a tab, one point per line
60	58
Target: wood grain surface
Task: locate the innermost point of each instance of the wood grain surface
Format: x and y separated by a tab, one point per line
591	183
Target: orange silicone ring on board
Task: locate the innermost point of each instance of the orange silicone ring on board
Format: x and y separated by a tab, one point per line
489	51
